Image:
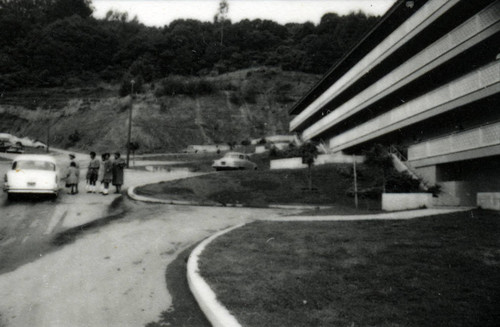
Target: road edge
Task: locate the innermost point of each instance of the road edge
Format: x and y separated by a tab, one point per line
216	313
134	196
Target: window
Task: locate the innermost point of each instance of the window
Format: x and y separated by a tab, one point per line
33	165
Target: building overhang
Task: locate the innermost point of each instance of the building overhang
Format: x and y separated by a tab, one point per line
487	151
391	20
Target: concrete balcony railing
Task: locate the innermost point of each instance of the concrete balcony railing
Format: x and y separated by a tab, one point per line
426	15
483	136
465	36
469	88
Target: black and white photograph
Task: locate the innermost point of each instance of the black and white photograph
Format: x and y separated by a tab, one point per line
249	163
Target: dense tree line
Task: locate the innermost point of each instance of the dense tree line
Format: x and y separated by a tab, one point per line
58	42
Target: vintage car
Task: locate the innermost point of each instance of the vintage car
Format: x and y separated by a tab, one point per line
33	174
4	145
234	160
15	148
39	145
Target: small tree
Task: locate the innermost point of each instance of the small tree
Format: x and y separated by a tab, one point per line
221	18
74	138
231	144
309	152
133	146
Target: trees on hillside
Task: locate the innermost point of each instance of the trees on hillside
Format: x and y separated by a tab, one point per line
48	42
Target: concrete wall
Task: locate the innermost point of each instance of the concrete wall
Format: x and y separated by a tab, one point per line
405	201
206	148
260	149
296	163
288	163
488	200
428	174
456	193
338	157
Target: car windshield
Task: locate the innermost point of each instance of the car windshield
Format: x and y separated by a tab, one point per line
234	155
33	164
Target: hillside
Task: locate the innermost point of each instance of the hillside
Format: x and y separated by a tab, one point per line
245	104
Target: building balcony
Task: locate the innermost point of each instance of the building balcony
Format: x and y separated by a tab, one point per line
473	139
470	33
472	87
428	14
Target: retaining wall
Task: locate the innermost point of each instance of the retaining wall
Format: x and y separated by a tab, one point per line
405	201
322	159
489	200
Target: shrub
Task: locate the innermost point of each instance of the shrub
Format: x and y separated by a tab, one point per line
401	182
235	98
173	86
73	138
291	152
249	93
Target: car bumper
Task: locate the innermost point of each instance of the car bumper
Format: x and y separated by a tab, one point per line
226	167
30	190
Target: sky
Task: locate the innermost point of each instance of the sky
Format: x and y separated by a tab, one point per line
162	12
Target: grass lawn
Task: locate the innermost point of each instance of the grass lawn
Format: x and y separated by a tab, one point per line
263	187
434	271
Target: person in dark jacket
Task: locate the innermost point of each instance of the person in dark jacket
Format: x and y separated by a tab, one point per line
118	166
77	167
72	177
108	173
92	173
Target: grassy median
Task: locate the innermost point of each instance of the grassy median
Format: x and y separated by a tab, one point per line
434	271
264	187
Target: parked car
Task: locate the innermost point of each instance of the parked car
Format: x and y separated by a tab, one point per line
4	145
32	173
234	160
15	148
39	145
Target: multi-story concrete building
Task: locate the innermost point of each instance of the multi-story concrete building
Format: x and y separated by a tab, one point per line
427	79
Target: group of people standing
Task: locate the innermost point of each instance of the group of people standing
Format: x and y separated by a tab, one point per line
106	171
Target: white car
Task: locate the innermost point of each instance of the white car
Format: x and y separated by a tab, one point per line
39	145
32	173
234	160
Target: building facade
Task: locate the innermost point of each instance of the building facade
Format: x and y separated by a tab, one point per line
425	79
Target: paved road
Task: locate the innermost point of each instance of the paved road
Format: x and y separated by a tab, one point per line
29	224
89	260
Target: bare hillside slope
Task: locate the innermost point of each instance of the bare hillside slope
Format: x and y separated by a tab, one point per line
246	104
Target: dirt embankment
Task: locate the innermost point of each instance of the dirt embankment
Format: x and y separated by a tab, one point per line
247	104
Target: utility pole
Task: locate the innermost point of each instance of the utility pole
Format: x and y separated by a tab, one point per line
48	136
355	181
132	82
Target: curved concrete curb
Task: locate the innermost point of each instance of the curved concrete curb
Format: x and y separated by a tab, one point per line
131	193
215	312
134	196
400	215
